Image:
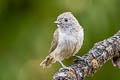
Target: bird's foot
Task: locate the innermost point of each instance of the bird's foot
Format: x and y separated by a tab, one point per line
68	68
65	67
83	59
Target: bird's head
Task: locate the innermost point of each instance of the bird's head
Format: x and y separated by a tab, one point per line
66	20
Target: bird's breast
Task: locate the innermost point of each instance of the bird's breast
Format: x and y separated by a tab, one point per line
68	45
65	38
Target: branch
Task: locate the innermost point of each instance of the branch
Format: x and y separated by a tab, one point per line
97	56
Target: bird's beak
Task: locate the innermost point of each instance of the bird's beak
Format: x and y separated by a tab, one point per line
57	22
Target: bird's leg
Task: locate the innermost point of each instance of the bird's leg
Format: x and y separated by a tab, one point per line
83	59
69	68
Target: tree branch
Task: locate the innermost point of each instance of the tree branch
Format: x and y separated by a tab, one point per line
97	56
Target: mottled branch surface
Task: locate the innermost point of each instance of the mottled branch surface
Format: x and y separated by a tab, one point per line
97	56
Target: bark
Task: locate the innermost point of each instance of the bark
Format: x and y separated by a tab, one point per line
108	49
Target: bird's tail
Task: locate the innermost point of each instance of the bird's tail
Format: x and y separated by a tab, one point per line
47	62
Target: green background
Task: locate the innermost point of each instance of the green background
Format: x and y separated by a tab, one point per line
26	31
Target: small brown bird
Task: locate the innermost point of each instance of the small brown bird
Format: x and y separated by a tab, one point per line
67	41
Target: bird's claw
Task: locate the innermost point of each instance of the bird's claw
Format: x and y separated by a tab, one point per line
83	59
68	68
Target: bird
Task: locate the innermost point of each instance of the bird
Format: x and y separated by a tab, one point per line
67	40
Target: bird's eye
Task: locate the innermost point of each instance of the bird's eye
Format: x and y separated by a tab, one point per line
66	20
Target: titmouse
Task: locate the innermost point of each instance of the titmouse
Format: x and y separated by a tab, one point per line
67	41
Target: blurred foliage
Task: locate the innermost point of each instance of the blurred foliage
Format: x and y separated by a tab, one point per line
26	30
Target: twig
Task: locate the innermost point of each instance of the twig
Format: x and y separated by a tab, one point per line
97	56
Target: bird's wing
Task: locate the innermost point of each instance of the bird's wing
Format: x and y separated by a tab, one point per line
54	42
